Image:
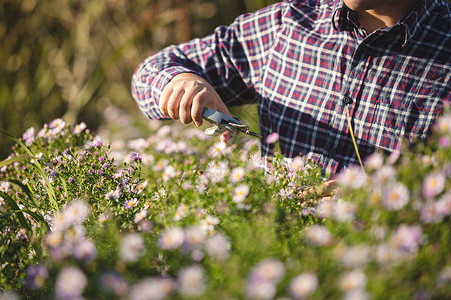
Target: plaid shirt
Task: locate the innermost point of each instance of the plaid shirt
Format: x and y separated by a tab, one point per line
306	63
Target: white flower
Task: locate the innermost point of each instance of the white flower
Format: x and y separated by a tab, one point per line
217	149
208	224
192	281
303	285
374	161
195	236
396	196
237	174
353	280
355	256
218	247
240	193
318	235
172	238
152	289
4	186
70	283
353	177
325	208
180	212
79	127
76	212
132	247
344	211
139	216
85	251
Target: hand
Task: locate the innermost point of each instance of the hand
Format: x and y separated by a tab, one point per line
186	96
325	190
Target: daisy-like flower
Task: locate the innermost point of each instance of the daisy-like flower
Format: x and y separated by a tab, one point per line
303	285
171	238
4	186
216	172
85	251
139	216
433	185
135	156
297	164
325	208
139	188
396	196
28	136
218	247
240	193
168	173
318	235
180	212
208	223
352	177
132	247
237	174
344	211
355	256
217	149
272	138
374	161
194	236
76	212
79	128
57	126
385	175
406	239
263	278
152	289
102	219
353	280
2	201
35	277
96	143
131	203
192	281
70	283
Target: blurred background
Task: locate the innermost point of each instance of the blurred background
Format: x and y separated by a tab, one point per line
74	58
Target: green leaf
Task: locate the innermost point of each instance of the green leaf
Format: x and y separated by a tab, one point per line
11	160
15	208
41	172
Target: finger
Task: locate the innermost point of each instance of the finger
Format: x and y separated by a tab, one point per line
197	108
174	102
164	98
185	107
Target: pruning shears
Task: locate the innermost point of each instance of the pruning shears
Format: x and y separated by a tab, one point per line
223	122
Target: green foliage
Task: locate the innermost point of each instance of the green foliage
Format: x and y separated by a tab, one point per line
180	215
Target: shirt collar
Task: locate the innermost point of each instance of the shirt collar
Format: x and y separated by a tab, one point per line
343	19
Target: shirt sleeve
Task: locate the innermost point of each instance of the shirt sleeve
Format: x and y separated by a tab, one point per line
231	60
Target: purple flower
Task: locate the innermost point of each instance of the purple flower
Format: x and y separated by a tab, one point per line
131	203
135	156
106	166
96	143
36	276
112	282
272	138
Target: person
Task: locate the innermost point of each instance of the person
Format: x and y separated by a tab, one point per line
312	66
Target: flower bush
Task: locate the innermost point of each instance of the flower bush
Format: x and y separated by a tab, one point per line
177	214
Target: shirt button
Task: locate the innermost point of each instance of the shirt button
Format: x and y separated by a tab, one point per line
347	100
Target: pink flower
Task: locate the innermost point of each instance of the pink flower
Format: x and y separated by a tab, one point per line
240	193
79	128
272	138
131	203
396	196
433	185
